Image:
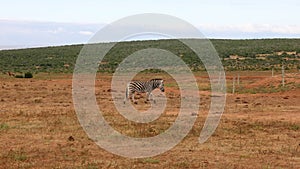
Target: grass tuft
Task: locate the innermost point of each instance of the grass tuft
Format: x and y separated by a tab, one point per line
3	126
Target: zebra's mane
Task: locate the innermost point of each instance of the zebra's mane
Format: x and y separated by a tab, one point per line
156	79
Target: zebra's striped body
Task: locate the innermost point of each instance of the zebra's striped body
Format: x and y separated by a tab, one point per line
143	87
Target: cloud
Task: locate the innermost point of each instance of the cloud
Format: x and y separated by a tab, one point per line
88	33
29	33
262	30
57	30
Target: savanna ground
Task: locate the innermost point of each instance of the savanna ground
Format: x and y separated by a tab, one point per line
260	127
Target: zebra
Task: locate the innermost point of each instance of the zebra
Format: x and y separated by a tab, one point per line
143	87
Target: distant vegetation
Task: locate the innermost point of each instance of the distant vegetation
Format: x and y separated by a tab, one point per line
262	54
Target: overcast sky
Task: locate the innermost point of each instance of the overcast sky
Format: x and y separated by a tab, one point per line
35	22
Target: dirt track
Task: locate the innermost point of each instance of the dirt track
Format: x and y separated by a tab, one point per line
39	128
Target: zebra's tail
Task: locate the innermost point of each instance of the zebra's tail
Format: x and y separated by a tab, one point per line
126	94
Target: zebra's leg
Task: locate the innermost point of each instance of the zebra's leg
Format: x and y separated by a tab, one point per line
134	101
125	99
153	98
147	96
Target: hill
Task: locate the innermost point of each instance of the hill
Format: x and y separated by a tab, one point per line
260	54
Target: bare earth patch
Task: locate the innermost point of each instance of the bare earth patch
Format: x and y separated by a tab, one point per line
39	128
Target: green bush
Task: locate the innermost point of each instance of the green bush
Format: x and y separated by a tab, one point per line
28	75
19	76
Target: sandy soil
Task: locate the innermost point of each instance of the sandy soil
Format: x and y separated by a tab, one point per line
39	127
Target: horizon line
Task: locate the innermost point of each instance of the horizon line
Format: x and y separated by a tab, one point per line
20	47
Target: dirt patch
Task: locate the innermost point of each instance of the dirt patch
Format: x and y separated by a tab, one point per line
39	128
276	81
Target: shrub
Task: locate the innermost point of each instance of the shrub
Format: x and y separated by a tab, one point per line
19	76
28	75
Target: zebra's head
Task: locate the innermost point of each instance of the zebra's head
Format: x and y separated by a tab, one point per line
160	84
161	87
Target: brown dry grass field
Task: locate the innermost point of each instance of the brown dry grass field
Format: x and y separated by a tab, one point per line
260	127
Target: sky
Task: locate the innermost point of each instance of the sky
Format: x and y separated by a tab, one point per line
56	22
